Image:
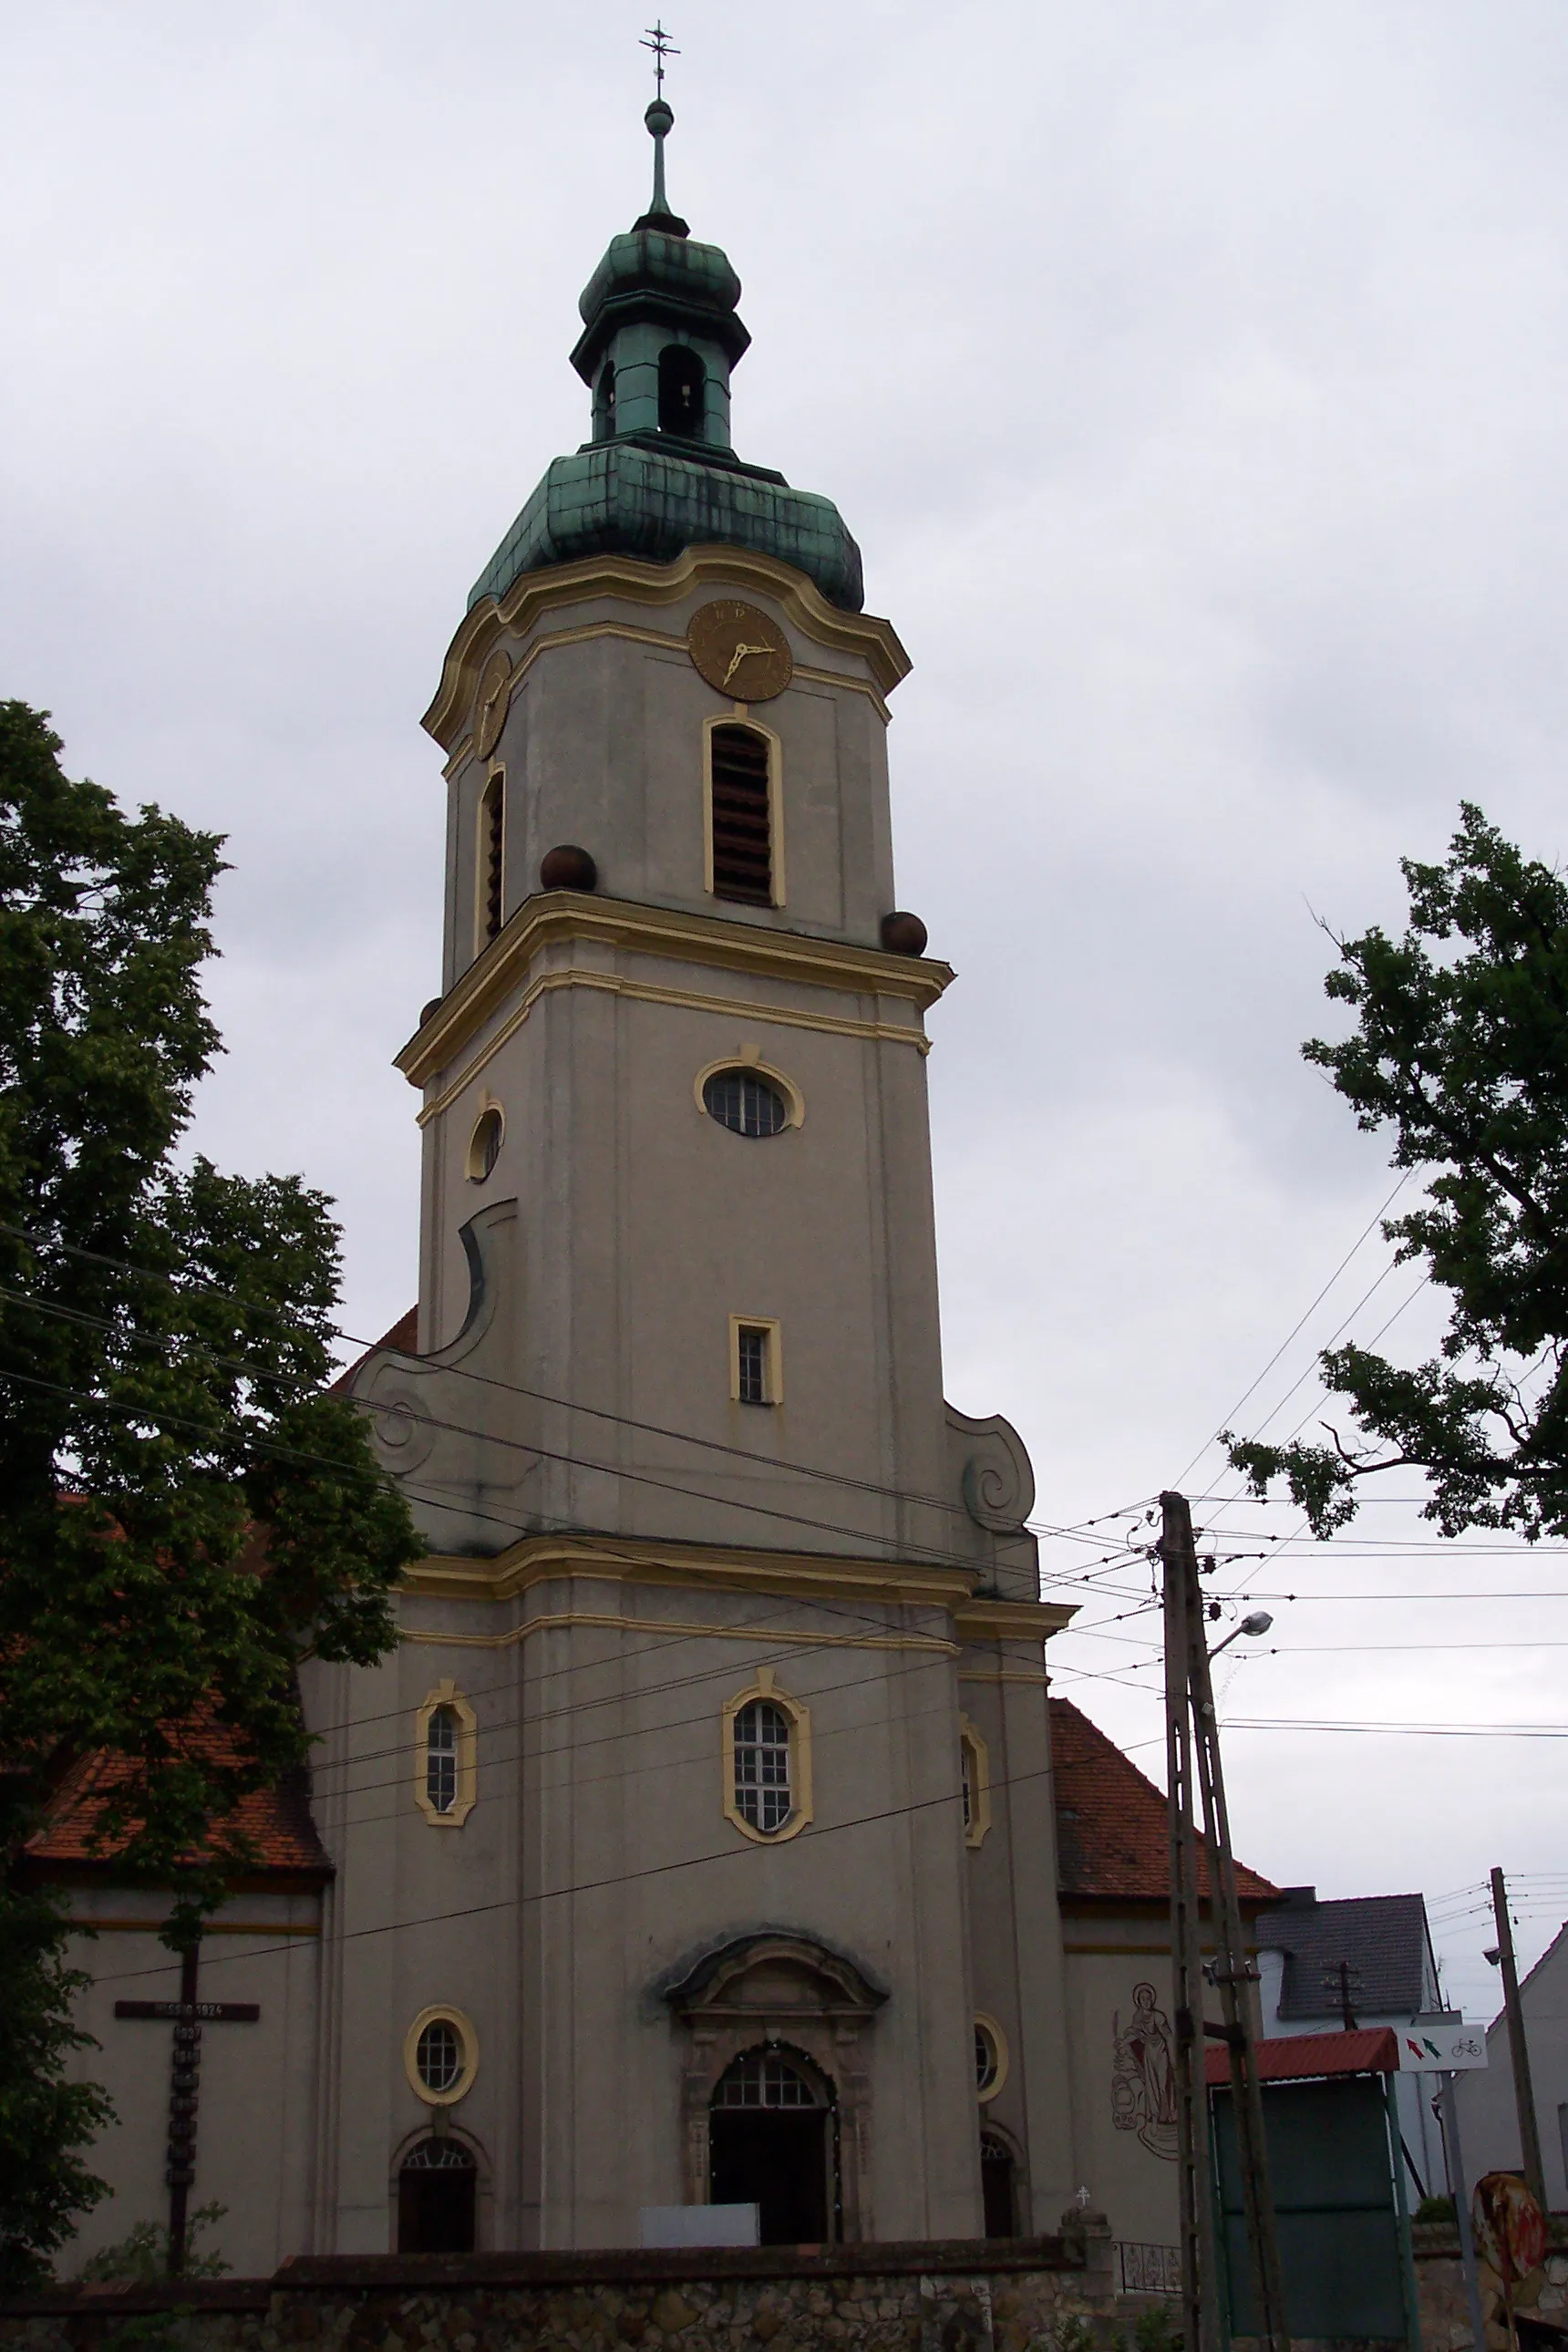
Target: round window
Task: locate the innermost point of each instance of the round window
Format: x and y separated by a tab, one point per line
439	2055
990	2058
744	1103
484	1144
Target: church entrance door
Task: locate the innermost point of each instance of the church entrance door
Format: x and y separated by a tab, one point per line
770	2144
435	2199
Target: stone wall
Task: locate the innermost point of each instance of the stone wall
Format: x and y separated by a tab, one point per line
1024	2295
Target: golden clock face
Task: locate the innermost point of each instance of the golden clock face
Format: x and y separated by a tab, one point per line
489	704
740	651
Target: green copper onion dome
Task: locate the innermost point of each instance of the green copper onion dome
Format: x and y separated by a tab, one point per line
660	335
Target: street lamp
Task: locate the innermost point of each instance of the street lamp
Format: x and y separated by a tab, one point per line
1259	1622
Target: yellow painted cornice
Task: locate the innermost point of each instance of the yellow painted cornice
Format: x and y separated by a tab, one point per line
541	1560
535	593
1011	1621
553	917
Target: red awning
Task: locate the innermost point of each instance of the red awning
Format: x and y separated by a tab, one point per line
1298	2057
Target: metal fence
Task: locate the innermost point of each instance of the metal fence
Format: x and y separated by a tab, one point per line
1149	2270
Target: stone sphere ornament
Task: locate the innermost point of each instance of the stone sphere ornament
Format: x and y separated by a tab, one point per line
903	934
567	868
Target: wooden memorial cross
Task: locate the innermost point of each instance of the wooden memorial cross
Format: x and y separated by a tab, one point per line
187	2015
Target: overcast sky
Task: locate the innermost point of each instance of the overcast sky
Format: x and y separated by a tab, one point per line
1193	375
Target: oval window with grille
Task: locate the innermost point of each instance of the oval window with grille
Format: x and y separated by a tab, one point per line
990	2057
440	2053
485	1143
745	1103
439	2056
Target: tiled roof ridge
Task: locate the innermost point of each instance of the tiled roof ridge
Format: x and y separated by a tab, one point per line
1111	1834
275	1821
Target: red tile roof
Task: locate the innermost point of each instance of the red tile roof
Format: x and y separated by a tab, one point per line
1110	1822
1298	2057
404	1337
275	1821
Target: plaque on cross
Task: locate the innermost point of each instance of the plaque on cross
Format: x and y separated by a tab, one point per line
188	2016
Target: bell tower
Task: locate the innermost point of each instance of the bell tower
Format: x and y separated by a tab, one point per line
707	1550
674	1087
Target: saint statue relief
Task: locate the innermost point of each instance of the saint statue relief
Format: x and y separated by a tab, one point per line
1143	2076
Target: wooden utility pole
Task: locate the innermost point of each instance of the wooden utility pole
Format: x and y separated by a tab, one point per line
1199	2256
1523	2092
1193	1739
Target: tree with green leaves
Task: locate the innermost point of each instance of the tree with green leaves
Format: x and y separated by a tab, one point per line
1460	1047
186	1511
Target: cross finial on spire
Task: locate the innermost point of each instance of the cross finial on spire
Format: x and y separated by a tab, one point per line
659	41
661	120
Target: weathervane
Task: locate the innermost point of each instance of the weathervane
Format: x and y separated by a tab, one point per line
659	42
660	121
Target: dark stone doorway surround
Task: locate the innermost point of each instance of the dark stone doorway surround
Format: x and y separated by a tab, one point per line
781	1992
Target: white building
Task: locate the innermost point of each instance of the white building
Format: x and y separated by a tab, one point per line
1488	2116
1371	1955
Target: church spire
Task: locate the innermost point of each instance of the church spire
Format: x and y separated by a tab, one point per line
660	121
661	334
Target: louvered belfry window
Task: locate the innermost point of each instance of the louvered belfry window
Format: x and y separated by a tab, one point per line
743	817
492	855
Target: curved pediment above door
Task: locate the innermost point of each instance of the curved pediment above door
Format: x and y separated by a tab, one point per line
774	1972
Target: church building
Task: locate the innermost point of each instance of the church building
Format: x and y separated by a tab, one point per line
709	1838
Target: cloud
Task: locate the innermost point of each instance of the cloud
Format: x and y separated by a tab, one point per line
1193	378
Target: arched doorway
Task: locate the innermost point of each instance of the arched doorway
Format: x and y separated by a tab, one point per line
435	2199
997	2190
771	2143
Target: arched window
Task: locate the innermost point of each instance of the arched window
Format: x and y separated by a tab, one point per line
682	383
762	1766
765	1759
604	403
761	2078
740	820
771	2143
435	2199
997	2199
441	1759
490	863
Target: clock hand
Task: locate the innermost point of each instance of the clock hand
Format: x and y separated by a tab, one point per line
739	655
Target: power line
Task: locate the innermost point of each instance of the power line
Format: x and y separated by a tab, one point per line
932	1554
1227	1418
954	1797
510	1388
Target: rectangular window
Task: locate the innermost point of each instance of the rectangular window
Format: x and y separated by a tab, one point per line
753	1367
756	1371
